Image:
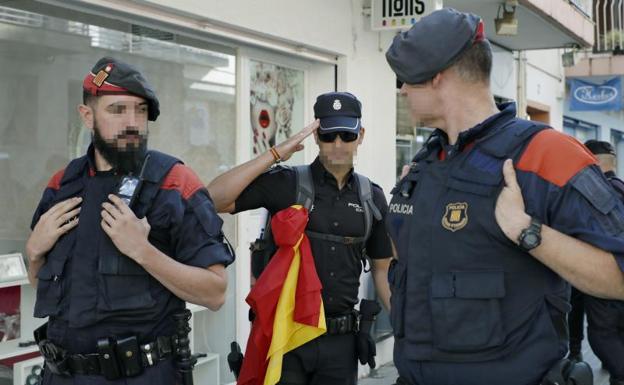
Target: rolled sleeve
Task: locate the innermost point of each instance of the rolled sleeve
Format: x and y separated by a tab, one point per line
589	209
200	240
274	190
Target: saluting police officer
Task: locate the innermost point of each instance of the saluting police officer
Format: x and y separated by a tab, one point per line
110	277
605	318
500	212
336	216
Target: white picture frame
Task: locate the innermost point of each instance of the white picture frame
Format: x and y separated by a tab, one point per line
12	270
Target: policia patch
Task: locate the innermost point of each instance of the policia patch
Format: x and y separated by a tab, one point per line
456	216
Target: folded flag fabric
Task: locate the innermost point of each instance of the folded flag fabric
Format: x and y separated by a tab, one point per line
286	300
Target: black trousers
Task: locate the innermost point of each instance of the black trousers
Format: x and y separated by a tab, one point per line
605	332
326	360
575	320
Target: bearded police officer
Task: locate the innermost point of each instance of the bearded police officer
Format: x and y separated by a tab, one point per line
109	276
337	229
496	213
605	318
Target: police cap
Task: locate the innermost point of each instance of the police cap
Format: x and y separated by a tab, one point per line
112	76
598	147
338	111
433	44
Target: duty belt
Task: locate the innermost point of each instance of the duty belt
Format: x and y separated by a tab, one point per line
344	324
115	358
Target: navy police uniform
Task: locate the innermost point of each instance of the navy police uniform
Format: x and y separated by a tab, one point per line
88	289
605	318
331	358
468	306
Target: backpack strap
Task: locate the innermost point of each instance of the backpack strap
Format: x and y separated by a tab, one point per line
366	200
511	138
156	167
305	186
74	170
73	181
335	238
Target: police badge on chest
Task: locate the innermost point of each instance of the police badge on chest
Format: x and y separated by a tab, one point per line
456	216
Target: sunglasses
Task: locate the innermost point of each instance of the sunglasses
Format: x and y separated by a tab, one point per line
345	136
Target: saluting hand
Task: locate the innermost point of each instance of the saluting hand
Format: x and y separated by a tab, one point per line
55	222
127	232
509	212
293	144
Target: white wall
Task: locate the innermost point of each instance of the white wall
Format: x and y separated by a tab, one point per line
319	23
504	78
546	82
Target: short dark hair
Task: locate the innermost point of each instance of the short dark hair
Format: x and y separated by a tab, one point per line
475	64
88	98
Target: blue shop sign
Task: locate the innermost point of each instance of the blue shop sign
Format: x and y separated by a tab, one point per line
586	96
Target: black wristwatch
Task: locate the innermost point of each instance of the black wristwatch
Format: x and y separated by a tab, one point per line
531	237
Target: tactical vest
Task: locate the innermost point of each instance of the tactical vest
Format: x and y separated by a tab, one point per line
461	290
108	284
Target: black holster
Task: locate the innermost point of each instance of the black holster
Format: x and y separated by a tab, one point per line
56	358
566	372
235	359
366	347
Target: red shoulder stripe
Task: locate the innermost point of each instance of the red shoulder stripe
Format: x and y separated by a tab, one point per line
182	179
555	156
55	181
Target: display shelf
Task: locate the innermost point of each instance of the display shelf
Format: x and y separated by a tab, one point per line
10	349
195	308
23	371
19	282
207	368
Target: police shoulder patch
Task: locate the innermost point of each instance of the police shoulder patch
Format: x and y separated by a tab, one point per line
55	181
182	179
555	157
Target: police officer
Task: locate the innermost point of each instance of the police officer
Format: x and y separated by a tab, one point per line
605	154
493	216
110	277
337	212
605	318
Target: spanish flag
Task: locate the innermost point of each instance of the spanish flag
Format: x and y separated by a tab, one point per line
286	300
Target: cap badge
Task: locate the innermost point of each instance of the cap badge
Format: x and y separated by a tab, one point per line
337	105
101	76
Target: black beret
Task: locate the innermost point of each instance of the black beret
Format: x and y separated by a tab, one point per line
112	76
599	147
433	44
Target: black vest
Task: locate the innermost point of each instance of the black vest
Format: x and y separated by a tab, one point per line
104	284
462	291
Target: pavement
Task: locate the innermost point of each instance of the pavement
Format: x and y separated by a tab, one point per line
387	374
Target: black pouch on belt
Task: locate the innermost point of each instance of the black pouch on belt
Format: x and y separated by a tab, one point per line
129	356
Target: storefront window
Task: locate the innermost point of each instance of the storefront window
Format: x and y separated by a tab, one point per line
409	139
581	130
44	60
276	105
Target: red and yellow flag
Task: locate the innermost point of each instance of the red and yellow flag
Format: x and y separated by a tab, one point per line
286	300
